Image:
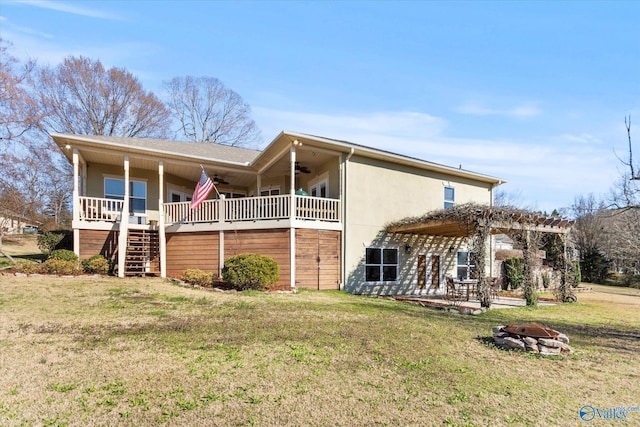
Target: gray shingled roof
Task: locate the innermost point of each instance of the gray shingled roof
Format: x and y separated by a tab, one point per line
209	151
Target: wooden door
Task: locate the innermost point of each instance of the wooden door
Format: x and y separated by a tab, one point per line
422	271
318	259
435	271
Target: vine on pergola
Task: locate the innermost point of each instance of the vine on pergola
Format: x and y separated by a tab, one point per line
478	222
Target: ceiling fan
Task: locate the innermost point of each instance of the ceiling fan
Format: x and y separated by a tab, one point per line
301	169
217	180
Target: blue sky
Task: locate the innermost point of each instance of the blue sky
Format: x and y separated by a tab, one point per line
531	92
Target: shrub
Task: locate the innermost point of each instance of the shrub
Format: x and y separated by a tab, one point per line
28	267
594	266
250	271
577	274
514	271
97	264
62	267
546	280
197	277
64	255
48	241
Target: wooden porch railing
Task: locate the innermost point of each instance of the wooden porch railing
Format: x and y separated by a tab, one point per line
100	209
254	209
243	209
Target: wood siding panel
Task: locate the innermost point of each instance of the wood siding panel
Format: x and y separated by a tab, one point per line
192	250
330	245
272	243
318	259
103	242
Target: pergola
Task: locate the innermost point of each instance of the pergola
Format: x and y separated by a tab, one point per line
479	222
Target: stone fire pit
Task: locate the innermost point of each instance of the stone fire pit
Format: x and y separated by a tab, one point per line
532	337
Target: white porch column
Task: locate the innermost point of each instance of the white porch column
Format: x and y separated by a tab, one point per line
258	185
222	219
76	204
161	232
292	217
124	221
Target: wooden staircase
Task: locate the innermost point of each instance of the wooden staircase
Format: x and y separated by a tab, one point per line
143	253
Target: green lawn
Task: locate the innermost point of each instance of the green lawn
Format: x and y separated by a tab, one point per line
146	352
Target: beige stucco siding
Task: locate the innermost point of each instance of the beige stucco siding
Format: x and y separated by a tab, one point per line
379	192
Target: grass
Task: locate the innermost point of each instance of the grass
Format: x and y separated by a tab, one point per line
107	351
20	247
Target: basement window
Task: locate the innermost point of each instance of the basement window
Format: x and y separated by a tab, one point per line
381	265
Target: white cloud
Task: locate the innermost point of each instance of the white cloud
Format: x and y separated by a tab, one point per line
476	109
583	138
547	174
70	8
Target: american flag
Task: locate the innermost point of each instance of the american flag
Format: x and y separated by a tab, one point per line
203	188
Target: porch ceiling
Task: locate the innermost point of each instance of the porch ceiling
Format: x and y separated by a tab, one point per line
181	166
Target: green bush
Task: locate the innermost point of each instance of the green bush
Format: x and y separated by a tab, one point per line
48	241
514	272
97	264
64	255
250	271
546	280
594	266
197	277
577	274
28	267
61	267
630	280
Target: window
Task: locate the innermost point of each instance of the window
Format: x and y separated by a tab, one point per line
449	197
232	195
319	189
381	265
465	268
114	189
274	191
179	196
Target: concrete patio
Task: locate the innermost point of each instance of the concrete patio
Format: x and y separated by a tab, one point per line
470	307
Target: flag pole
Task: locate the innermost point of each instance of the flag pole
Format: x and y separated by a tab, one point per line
214	185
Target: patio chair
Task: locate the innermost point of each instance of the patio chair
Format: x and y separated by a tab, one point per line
453	293
495	286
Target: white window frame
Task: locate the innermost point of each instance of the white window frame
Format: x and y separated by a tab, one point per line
182	192
270	191
468	267
315	185
131	181
449	202
382	264
233	194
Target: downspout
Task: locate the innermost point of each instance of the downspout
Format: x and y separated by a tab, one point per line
124	222
343	270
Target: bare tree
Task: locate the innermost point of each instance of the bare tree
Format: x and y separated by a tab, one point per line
591	235
80	96
627	125
623	243
18	112
210	112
